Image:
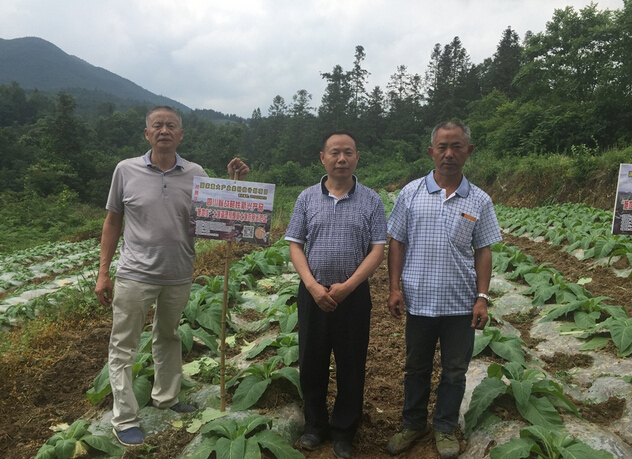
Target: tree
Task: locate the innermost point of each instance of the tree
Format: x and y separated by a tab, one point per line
505	64
358	80
336	101
450	82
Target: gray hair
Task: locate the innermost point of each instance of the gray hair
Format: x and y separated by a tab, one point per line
163	107
448	125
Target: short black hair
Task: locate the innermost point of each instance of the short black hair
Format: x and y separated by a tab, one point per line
326	137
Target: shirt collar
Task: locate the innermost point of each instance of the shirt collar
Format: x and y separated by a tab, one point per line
179	163
325	191
463	190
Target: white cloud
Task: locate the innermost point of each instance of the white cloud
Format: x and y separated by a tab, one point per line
237	55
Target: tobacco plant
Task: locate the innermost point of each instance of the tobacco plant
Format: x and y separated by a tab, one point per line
546	444
508	347
259	377
76	441
243	439
286	344
536	397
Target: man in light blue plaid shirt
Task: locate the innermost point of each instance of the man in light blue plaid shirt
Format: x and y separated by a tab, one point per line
441	230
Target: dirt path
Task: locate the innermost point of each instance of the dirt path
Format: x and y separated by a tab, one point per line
44	383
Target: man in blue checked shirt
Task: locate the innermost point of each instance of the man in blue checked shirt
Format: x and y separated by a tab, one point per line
441	230
337	235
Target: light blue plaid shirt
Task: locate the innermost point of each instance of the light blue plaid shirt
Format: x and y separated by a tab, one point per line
438	277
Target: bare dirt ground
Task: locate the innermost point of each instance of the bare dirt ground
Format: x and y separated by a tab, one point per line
44	382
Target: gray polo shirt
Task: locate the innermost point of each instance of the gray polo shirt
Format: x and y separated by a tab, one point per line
337	233
156	245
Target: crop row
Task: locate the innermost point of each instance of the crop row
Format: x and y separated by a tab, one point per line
575	226
27	267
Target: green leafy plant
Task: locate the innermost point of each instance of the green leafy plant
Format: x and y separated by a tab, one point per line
259	377
508	347
286	344
549	283
533	393
507	258
546	444
142	371
586	311
76	441
244	439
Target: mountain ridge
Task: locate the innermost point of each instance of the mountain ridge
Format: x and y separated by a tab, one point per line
37	64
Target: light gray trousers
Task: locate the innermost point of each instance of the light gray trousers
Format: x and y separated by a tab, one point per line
130	307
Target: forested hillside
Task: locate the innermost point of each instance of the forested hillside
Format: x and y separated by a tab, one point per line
553	108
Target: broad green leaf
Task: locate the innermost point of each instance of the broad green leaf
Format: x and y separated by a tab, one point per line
46	452
482	397
276	445
65	449
621	333
231	449
186	336
595	343
252	450
209	414
102	443
580	450
259	349
513	370
584	321
288	322
509	349
292	375
289	354
618	312
521	391
541	412
516	448
210	317
249	391
481	341
142	390
209	340
254	423
100	387
205	449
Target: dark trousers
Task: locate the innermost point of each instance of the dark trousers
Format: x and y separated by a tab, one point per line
456	338
346	332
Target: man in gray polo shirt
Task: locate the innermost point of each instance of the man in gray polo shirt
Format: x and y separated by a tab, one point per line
337	235
153	193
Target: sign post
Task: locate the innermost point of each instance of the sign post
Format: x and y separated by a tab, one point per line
622	215
231	211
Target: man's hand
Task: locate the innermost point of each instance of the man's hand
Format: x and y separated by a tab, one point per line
104	289
396	304
237	169
338	292
479	314
322	298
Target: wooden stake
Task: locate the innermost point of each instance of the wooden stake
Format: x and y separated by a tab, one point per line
222	346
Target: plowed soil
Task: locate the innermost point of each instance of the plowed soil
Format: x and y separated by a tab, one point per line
44	383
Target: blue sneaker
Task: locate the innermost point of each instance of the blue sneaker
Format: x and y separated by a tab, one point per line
182	408
129	437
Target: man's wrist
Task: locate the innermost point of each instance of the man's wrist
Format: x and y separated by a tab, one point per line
484	296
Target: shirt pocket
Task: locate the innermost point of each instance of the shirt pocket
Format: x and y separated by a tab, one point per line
462	230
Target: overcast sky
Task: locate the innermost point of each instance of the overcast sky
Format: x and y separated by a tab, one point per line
234	56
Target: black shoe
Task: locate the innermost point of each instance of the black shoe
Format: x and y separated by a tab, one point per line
342	449
310	441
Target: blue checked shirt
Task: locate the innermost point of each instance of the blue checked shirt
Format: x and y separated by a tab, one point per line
438	277
337	233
